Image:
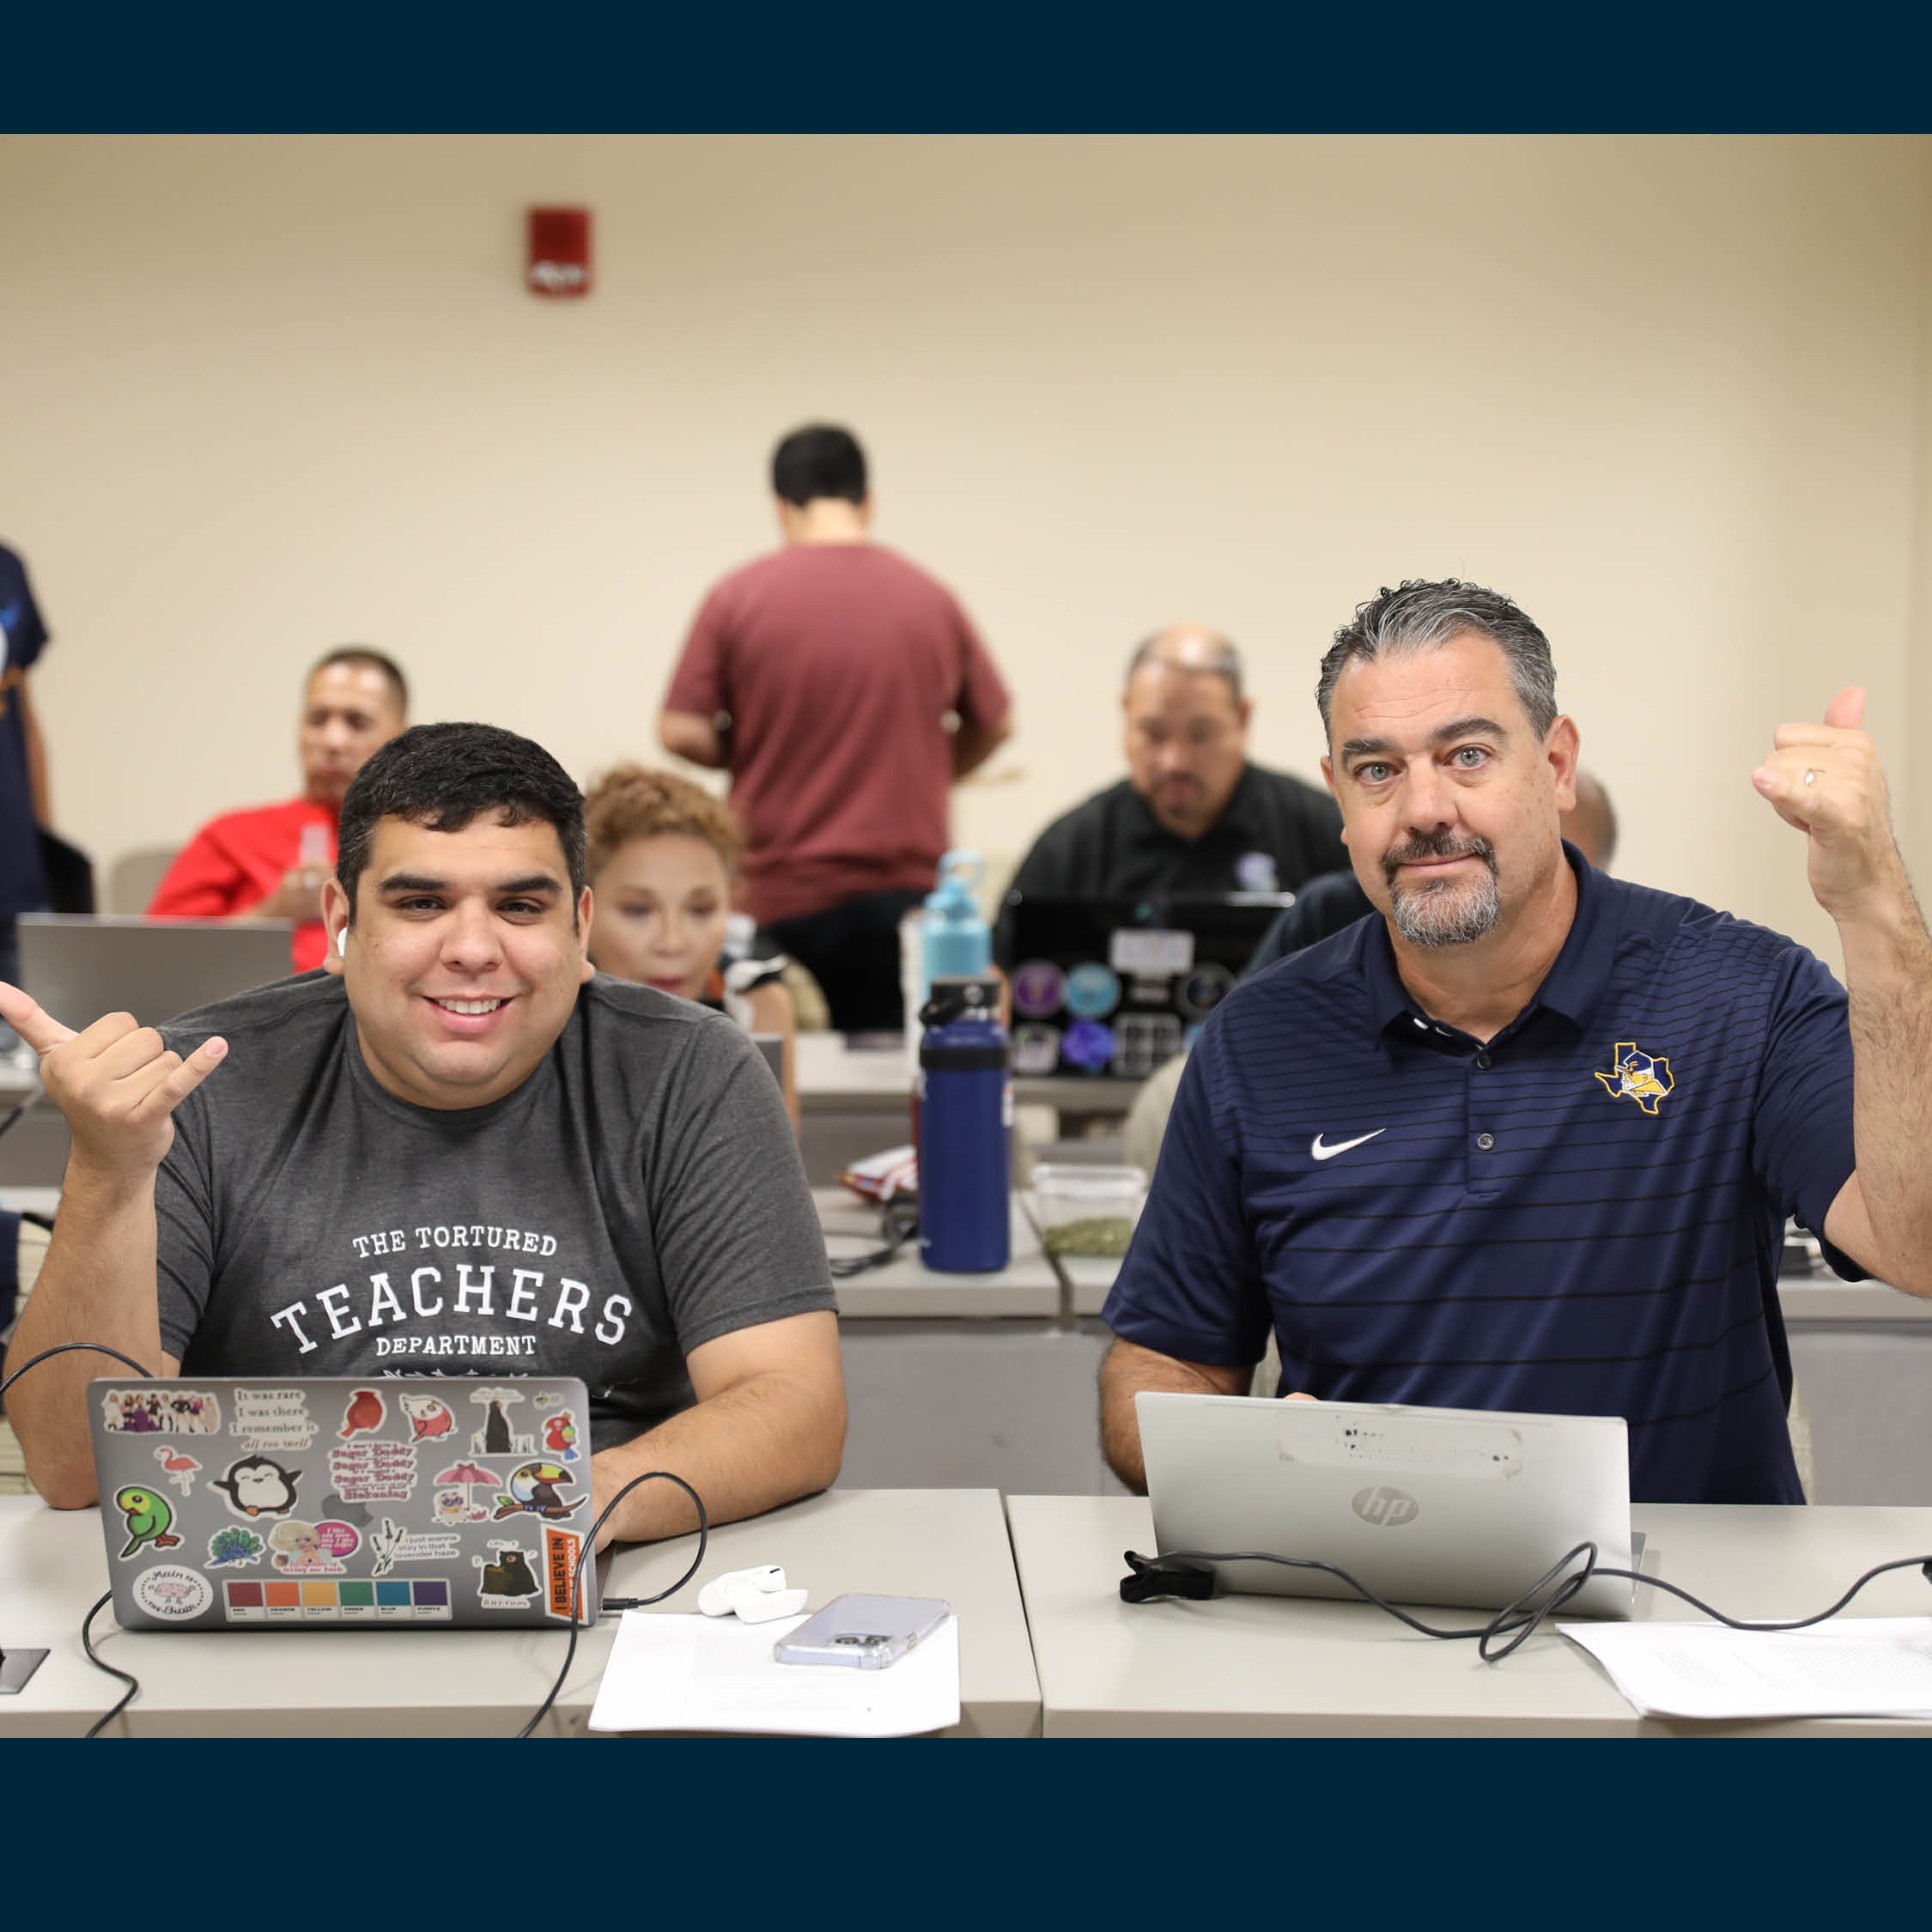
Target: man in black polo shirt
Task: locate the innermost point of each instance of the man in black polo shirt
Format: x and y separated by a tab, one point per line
1193	817
1528	1140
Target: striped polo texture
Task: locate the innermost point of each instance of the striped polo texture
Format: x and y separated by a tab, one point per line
1583	1216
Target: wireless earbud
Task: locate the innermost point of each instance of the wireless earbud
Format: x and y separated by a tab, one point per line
342	941
755	1596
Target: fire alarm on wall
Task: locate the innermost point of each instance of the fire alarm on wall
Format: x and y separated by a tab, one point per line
560	252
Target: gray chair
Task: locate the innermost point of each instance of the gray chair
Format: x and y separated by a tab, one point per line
133	878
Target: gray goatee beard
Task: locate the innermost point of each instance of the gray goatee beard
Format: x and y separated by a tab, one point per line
1444	912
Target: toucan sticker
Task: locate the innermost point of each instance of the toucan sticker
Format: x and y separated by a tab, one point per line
538	1489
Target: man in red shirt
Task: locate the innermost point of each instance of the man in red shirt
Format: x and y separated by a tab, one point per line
822	677
269	862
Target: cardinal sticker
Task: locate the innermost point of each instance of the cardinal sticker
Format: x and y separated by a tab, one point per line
363	1416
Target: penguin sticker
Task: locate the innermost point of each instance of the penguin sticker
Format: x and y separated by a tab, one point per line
257	1485
150	1519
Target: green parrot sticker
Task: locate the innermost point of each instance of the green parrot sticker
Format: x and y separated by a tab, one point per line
148	1519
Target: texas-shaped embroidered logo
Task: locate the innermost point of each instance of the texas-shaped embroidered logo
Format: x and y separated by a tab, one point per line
1643	1077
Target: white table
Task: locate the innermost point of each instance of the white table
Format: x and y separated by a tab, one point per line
484	1683
1283	1667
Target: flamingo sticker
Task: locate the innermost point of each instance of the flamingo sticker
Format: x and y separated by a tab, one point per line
180	1468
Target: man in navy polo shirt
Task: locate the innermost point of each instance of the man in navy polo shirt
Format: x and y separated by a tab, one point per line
1528	1140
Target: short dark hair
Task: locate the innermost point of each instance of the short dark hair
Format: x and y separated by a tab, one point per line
369	659
820	459
443	776
1421	616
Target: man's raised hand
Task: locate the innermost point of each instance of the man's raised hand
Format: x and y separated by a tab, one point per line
116	1083
1826	780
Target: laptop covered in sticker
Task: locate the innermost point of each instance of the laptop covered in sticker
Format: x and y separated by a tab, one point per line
248	1503
1111	987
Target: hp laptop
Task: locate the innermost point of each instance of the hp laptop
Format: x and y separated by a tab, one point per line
1114	987
233	1503
80	969
1465	1507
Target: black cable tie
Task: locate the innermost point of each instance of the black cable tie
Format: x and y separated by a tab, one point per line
1152	1579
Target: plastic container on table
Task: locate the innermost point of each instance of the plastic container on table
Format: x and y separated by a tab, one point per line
1088	1210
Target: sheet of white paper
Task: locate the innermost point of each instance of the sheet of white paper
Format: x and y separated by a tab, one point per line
672	1672
1852	1667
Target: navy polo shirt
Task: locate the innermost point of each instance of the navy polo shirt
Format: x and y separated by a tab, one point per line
1583	1216
22	887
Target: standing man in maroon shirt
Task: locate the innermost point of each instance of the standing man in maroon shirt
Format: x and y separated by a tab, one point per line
822	677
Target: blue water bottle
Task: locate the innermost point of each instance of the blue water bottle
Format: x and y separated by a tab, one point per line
957	944
965	1117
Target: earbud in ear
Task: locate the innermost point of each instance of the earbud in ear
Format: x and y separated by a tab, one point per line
342	941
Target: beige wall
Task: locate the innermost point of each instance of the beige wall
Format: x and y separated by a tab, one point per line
263	395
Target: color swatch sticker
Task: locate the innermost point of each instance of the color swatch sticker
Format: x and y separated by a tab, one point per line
336	1600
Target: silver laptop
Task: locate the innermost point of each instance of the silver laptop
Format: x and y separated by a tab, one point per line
1465	1507
79	968
260	1502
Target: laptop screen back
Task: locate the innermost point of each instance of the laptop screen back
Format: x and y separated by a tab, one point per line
1463	1507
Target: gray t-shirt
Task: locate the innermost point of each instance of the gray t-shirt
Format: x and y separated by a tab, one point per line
640	1193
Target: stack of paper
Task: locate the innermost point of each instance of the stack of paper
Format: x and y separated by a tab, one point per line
670	1673
1851	1667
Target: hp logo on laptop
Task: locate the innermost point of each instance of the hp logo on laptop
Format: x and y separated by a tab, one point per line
1387	1509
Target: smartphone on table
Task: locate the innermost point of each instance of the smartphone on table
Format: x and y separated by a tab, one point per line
866	1631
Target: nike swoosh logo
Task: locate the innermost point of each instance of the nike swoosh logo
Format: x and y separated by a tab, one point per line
1323	1153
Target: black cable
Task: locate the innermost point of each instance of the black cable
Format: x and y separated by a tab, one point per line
624	1603
67	1347
898	1223
86	1642
7	1125
1523	1616
133	1682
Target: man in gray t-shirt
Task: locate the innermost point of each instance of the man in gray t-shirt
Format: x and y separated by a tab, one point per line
456	1151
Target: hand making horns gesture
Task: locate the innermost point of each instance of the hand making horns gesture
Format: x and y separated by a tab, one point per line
116	1083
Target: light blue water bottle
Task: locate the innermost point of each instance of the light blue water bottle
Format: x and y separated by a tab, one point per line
958	944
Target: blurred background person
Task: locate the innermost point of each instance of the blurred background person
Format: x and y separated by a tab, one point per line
821	677
661	854
269	862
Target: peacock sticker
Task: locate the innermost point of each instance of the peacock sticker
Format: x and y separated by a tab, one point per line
1644	1078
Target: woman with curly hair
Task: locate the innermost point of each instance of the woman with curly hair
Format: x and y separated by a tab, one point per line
662	852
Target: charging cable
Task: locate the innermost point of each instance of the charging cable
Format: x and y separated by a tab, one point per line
1174	1573
86	1622
619	1603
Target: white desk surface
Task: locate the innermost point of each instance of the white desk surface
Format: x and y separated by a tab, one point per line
1279	1667
906	1288
483	1683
